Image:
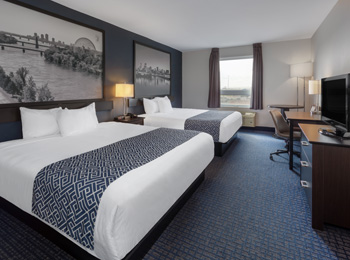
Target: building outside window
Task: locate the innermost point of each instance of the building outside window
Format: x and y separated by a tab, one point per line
236	81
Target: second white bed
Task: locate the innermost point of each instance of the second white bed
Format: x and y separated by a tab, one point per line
176	119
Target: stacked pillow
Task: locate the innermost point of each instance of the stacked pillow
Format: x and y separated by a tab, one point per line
39	122
46	122
76	121
157	105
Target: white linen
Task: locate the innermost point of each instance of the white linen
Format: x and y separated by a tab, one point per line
39	122
176	119
132	204
76	121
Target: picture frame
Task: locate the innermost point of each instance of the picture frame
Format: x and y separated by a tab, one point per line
48	59
152	71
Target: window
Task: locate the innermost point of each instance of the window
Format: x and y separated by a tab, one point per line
236	82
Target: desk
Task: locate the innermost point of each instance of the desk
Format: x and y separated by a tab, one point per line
285	108
294	119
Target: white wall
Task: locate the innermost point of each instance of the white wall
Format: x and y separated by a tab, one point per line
279	88
331	43
195	79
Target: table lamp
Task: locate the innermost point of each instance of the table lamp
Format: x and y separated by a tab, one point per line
125	91
301	70
314	89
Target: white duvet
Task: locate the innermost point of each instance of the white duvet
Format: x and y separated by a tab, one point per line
132	204
176	119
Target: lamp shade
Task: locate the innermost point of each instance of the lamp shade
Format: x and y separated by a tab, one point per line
124	90
314	87
301	70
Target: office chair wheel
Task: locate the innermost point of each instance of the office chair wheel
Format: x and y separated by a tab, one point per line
271	158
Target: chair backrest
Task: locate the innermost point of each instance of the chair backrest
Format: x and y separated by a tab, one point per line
281	126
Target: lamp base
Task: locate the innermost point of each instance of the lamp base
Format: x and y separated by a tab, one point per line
315	112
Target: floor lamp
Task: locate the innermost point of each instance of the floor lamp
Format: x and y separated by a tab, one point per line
301	70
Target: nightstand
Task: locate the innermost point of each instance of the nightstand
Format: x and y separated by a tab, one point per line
135	121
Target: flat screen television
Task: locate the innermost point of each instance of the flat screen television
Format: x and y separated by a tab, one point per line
335	106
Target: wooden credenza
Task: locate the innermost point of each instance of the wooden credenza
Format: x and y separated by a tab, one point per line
325	176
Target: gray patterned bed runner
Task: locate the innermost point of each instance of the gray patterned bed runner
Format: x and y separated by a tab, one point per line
208	122
67	193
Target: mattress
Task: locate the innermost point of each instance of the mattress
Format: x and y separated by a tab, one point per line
132	204
176	119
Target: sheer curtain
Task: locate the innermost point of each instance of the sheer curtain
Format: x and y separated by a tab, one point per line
214	79
257	87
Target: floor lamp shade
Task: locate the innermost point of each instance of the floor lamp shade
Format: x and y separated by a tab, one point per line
301	70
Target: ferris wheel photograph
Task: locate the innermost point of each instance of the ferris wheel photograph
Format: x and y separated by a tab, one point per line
47	58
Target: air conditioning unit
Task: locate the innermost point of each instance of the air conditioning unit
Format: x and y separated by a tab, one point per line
249	119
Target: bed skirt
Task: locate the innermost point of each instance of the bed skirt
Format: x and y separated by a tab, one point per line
221	148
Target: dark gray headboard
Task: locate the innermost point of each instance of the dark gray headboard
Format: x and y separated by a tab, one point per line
136	105
10	118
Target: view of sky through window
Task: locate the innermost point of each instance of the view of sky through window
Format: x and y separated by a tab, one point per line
236	82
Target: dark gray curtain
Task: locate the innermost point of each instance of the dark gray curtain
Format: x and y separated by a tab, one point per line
214	79
257	87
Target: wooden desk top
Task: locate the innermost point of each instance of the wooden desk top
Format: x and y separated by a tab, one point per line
286	106
313	136
293	115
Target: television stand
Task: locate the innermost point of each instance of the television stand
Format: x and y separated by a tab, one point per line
325	176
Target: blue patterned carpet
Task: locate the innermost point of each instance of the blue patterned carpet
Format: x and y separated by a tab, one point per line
247	208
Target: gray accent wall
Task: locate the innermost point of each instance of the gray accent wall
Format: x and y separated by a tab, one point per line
331	43
119	53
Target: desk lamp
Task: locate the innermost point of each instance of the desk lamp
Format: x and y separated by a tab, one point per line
314	89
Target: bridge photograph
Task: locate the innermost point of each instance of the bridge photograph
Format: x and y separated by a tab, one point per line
46	58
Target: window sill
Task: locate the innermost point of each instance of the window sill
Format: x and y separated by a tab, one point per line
237	106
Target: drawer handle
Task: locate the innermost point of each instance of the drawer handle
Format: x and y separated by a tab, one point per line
304	184
304	164
304	143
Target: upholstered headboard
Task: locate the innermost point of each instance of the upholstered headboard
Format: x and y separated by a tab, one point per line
10	118
136	105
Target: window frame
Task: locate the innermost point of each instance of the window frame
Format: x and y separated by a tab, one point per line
236	92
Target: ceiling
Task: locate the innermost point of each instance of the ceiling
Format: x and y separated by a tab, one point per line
188	25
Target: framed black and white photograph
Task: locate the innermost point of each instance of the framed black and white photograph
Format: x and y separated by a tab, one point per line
152	71
46	58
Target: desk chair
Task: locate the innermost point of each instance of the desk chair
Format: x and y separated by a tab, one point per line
282	132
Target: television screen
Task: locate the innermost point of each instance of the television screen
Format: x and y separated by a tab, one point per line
334	100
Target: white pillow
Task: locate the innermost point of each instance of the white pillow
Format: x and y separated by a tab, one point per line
150	106
39	122
161	98
164	106
76	121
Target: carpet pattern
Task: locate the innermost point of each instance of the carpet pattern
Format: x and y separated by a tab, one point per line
248	207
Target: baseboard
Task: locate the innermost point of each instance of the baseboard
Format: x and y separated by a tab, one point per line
259	128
